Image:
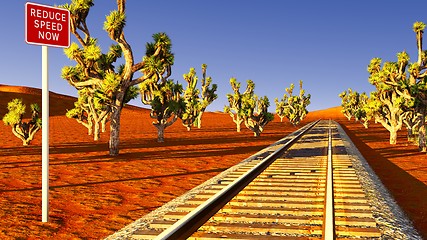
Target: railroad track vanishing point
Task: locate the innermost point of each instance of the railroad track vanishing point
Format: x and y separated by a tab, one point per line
303	187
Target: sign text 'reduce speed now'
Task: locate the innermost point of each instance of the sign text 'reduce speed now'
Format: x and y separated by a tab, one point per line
47	25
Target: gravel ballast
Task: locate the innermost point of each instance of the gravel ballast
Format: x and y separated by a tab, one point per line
391	219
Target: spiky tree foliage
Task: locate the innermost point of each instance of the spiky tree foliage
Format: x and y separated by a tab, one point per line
280	108
22	130
354	104
96	71
349	103
293	107
255	113
92	111
405	82
81	113
389	104
208	95
418	89
413	122
195	105
360	113
408	89
234	107
191	99
166	103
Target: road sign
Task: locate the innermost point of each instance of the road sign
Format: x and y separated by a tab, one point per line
46	25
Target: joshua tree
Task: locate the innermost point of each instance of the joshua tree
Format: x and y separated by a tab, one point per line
360	112
280	108
165	100
81	113
195	105
235	101
92	111
401	86
413	122
208	95
355	105
386	103
416	91
349	103
255	113
22	130
293	107
95	71
410	90
191	99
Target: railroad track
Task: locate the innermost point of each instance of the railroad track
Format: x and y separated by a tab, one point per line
304	187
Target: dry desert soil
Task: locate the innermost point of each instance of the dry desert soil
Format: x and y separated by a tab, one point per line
92	195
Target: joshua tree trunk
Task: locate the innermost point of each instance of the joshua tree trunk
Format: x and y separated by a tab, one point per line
115	132
365	124
161	125
87	125
410	132
411	136
238	122
238	125
97	132
422	132
16	131
422	138
115	124
392	126
257	133
255	128
103	124
199	120
160	132
25	132
412	123
393	136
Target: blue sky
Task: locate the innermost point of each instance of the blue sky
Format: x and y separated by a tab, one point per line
327	44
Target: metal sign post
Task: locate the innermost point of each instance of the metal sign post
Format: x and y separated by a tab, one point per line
46	26
45	134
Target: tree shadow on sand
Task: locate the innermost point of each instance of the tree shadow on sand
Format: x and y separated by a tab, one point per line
85	184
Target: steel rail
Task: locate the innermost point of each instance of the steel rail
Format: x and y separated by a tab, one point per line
187	225
329	222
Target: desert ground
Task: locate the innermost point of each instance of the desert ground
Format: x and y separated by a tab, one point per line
92	195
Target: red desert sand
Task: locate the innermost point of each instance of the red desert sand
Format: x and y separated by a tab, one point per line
92	195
